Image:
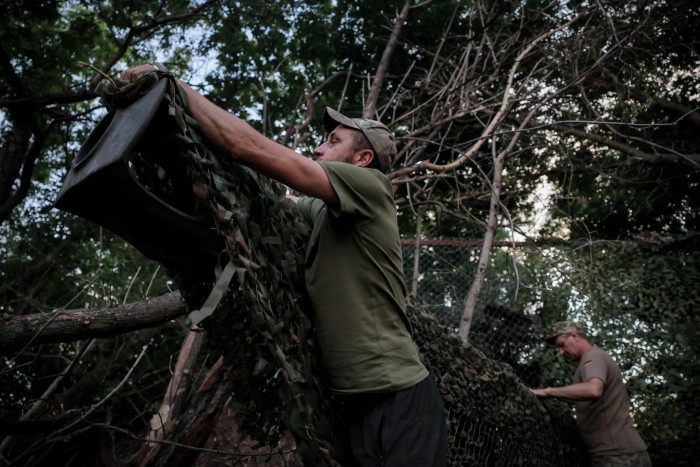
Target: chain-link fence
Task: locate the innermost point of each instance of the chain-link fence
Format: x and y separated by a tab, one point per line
439	273
493	419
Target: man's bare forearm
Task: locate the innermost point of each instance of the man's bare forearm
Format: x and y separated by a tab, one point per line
589	390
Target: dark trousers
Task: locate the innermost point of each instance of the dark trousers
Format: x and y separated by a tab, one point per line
397	429
637	459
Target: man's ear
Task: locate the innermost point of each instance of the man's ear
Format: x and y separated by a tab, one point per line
363	157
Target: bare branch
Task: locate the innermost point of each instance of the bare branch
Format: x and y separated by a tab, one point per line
371	105
70	325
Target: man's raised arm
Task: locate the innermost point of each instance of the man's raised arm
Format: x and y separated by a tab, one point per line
237	139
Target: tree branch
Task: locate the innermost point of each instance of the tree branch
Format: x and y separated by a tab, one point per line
634	154
371	105
72	325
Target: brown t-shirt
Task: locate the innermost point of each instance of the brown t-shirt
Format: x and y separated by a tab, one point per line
605	423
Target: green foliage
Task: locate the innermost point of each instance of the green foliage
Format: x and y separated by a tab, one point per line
630	202
263	60
637	299
644	97
269	59
638	302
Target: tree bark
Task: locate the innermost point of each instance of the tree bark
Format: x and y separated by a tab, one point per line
72	325
176	396
371	105
416	252
489	235
195	426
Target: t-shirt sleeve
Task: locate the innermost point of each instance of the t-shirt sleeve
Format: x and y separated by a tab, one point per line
309	207
594	366
360	190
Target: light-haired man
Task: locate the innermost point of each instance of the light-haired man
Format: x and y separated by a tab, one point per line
354	278
601	401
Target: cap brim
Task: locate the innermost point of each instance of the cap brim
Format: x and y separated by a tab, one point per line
333	118
550	340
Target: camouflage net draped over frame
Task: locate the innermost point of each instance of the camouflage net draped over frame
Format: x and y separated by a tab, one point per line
259	320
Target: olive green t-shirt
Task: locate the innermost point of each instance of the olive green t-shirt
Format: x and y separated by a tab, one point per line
354	278
605	423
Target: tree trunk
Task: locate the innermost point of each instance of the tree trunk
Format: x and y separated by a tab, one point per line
195	425
416	252
491	227
176	396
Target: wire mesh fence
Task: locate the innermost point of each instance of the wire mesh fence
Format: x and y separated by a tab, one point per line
439	273
493	419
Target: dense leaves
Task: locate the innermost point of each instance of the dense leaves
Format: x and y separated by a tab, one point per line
638	301
592	108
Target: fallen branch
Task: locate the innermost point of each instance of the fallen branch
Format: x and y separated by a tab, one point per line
72	325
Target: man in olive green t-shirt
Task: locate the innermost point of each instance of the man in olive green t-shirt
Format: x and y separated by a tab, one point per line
354	276
601	401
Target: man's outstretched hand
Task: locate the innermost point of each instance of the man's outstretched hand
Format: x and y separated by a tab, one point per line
132	74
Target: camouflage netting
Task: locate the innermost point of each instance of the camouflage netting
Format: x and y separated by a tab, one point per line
259	321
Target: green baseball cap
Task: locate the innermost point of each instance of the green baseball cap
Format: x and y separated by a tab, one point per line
564	327
378	135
